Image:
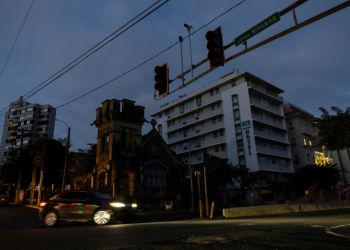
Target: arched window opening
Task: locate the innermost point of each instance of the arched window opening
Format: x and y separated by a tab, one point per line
123	140
130	145
102	180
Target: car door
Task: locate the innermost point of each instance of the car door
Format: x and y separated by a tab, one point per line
64	204
84	207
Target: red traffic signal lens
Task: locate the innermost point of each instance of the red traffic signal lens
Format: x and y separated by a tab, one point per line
211	35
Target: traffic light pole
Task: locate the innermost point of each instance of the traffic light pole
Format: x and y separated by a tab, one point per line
266	41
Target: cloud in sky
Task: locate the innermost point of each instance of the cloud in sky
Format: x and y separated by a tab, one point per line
311	64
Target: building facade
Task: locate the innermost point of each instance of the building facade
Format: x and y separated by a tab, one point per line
127	163
300	133
27	122
239	117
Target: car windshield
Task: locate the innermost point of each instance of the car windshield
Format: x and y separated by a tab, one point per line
101	196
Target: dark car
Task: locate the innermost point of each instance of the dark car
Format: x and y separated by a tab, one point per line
85	205
4	199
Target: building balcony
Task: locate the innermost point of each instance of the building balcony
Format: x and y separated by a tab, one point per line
266	108
14	125
263	90
275	167
273	137
272	151
307	131
268	122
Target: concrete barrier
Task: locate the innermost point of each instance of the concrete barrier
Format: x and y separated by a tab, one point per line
283	208
308	207
256	210
333	205
346	204
295	208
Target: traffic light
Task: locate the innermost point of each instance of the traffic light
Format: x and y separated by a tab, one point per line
162	79
215	47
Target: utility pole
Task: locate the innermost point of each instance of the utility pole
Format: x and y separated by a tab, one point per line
205	162
36	163
65	161
20	169
41	180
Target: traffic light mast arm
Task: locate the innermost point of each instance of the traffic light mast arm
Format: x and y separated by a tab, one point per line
268	40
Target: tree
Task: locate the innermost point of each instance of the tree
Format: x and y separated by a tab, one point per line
333	131
257	181
81	164
220	173
53	153
323	176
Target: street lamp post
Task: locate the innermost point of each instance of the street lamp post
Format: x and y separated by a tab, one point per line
65	160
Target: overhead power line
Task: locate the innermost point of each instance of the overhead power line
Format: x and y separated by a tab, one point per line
139	65
2	111
16	39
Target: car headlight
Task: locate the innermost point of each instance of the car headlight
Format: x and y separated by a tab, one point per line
134	205
117	204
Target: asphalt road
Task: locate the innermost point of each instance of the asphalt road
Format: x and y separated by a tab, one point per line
20	229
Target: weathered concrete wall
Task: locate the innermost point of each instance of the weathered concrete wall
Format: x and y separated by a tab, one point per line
284	208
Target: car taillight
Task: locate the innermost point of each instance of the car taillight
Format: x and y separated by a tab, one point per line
43	204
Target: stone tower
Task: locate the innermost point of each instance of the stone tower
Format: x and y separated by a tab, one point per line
119	154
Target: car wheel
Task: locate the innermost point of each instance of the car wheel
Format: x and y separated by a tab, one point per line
51	219
101	217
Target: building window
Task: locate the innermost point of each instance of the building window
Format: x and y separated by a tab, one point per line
304	138
217	91
211	92
233	83
236	114
301	124
182	107
234	99
221	132
43	110
160	115
155	176
215	134
223	148
213	120
241	160
23	111
30	109
160	129
198	99
308	157
189	104
216	148
292	140
218	105
238	128
213	107
220	118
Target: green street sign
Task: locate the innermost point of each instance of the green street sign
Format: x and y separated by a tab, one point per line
274	18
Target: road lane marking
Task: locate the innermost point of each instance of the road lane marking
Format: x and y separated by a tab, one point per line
329	231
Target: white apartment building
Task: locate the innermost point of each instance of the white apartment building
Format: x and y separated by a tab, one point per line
300	132
36	120
239	117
